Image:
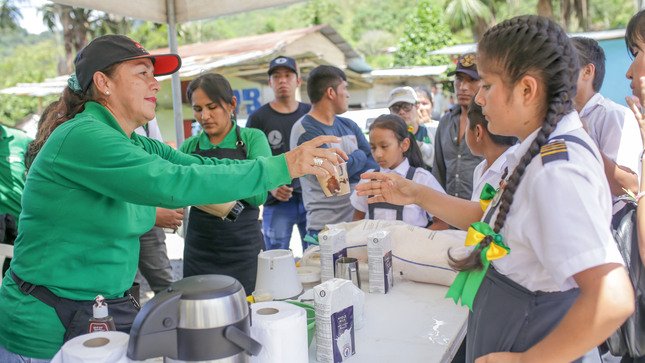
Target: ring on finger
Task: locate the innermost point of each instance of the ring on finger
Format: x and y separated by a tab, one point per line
318	161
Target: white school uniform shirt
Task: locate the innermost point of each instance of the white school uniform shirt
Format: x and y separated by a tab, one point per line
412	213
492	175
558	224
615	131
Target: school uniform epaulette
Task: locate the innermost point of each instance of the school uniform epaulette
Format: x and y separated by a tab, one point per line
554	150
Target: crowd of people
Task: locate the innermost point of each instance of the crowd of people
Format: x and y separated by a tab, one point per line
531	160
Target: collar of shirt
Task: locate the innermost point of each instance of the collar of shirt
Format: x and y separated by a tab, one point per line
568	123
104	116
501	162
206	144
402	169
591	104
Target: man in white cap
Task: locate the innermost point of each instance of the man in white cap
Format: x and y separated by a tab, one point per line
403	102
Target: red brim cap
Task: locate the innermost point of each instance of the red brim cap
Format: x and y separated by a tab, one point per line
164	64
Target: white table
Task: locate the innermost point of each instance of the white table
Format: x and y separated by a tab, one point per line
412	323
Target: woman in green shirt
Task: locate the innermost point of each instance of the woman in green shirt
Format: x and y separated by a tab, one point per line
214	245
94	184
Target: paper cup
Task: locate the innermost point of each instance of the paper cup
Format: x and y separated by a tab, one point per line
337	184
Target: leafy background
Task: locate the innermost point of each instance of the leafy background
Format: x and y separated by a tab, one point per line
387	33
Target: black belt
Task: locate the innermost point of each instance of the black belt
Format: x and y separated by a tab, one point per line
39	292
44	294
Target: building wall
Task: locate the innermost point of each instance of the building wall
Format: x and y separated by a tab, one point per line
616	85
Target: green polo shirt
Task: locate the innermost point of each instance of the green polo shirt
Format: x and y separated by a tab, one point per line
256	143
89	195
13	147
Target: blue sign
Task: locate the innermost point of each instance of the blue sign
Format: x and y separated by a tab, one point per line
248	100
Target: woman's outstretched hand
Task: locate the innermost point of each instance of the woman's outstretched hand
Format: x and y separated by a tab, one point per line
391	188
310	158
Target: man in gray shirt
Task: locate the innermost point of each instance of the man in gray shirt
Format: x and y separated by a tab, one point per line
453	162
327	90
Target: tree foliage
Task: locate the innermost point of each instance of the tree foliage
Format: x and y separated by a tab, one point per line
473	14
26	64
424	32
9	15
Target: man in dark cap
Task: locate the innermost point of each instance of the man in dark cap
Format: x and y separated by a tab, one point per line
453	163
283	207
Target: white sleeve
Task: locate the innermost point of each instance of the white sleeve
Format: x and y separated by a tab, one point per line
578	236
620	138
153	130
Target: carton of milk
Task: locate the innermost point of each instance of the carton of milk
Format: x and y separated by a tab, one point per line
334	305
332	247
379	260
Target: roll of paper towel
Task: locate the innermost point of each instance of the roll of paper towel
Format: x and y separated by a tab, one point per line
282	329
98	347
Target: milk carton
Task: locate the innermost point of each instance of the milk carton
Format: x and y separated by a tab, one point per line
334	304
332	247
379	260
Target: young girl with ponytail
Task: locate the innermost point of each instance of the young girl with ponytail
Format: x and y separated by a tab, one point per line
544	281
396	151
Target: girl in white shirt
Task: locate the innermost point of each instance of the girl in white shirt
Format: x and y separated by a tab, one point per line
545	281
395	150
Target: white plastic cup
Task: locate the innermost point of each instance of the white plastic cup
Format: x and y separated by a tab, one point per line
277	274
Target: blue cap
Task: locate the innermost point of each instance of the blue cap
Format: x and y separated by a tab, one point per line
285	62
467	64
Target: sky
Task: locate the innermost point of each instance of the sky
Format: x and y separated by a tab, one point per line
31	18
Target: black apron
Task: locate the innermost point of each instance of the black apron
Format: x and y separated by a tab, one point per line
384	205
215	246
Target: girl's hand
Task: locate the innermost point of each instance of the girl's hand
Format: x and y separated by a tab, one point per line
391	188
309	158
500	358
635	105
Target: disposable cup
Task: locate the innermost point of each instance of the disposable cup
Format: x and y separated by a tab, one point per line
335	184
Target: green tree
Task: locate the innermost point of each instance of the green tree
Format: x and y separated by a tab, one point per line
473	14
26	64
79	25
424	32
319	12
9	15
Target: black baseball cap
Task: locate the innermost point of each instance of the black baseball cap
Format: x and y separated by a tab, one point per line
467	64
283	61
107	50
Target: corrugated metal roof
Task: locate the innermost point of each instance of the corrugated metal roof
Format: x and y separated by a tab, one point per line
263	43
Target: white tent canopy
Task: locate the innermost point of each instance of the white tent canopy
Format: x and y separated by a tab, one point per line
173	12
159	11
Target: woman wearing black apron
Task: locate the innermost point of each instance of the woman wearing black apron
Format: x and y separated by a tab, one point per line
214	245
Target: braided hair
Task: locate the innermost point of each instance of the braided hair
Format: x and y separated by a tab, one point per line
527	45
